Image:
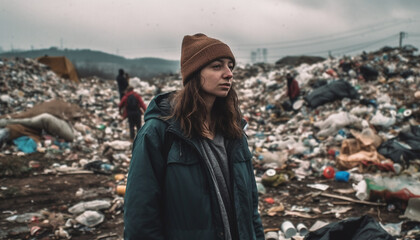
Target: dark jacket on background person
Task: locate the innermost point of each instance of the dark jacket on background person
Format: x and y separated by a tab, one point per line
122	83
174	198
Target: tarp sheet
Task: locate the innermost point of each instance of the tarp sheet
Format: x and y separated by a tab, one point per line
57	108
61	66
361	228
333	91
47	122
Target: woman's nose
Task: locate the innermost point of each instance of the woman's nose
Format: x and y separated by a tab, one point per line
228	73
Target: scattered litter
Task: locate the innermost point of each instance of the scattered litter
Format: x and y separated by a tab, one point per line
355	125
319	186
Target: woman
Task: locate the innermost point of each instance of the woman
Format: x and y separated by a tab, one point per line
191	175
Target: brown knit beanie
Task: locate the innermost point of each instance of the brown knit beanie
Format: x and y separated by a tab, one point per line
198	50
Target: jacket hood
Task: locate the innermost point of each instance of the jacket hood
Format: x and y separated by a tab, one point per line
159	107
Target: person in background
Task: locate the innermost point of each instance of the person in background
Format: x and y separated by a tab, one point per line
292	88
122	82
191	174
133	108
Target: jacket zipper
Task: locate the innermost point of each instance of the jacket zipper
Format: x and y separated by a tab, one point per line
234	231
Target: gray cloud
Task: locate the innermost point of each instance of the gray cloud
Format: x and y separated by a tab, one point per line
155	28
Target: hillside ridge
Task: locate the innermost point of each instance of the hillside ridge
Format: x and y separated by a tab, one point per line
92	62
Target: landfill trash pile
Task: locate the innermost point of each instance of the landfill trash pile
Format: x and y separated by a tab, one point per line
50	126
348	146
355	126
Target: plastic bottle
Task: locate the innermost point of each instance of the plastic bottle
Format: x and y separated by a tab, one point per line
361	190
101	127
260	135
261	189
342	176
328	172
391	207
302	229
272	235
413	209
119	176
107	168
120	190
91	205
288	229
304	111
397	168
24	218
90	218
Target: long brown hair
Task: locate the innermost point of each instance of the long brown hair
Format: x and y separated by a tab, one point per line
190	110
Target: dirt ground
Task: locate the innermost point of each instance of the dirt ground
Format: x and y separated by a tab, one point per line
28	190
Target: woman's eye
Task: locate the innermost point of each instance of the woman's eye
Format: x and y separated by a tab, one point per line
217	66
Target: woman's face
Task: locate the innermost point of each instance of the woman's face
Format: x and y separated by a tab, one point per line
216	77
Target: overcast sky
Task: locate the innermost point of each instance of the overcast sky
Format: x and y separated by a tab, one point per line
155	28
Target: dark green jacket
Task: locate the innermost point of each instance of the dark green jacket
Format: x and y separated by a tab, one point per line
174	198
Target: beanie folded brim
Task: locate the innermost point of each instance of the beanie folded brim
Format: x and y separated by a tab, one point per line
200	50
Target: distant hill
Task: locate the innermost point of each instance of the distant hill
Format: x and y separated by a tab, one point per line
105	65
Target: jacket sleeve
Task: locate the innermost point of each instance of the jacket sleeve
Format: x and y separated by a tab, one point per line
143	217
122	102
258	228
142	105
256	218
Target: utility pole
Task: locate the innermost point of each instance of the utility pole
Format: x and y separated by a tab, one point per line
402	35
264	52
